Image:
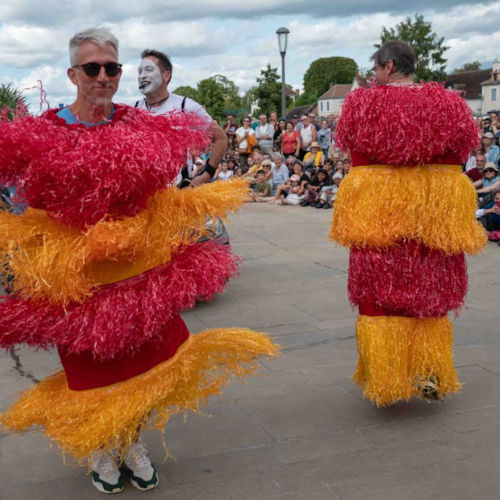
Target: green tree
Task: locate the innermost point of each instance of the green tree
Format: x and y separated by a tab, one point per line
326	70
268	91
472	66
427	46
11	98
232	99
187	91
211	95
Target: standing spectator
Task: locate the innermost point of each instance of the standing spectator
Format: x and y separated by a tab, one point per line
308	135
476	173
264	134
314	159
296	124
312	119
278	134
290	143
230	128
236	157
242	135
486	124
273	119
280	170
324	137
490	149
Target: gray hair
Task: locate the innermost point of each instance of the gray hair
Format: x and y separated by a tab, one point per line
277	155
98	35
400	53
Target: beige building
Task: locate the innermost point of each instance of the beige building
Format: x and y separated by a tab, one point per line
331	102
490	90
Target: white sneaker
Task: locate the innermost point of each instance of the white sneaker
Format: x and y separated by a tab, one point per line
106	476
144	476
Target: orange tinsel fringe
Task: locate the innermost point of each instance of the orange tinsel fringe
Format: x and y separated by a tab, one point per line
398	354
108	418
378	205
55	262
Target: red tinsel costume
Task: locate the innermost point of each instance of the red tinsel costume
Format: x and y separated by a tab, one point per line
406	212
103	260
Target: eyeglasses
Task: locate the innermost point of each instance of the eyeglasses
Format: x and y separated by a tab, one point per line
486	170
93	68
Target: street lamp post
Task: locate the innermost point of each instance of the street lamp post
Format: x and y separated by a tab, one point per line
282	41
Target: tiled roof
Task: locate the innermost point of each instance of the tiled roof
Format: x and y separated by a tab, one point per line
469	82
338	91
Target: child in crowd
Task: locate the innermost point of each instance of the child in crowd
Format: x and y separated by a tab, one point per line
289	192
262	189
327	196
313	191
238	172
224	172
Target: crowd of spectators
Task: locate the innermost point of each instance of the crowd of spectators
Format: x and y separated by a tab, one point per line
482	168
286	163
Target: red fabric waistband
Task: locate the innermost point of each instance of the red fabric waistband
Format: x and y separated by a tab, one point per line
85	372
359	159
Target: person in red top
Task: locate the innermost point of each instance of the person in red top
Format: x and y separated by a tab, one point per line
476	173
290	143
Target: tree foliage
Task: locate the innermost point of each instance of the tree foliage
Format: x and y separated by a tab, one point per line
232	99
427	46
326	70
268	91
471	66
187	91
211	95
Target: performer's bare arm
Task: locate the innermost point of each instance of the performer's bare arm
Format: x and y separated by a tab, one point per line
219	146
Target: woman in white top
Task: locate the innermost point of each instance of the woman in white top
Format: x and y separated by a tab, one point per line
241	139
308	135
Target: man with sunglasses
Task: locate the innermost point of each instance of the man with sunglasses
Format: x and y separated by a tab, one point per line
154	75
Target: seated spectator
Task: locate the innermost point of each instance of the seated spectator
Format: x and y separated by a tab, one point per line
313	191
236	157
262	189
252	171
489	216
490	182
290	142
324	138
224	173
490	149
238	172
328	193
290	162
347	166
328	166
476	173
304	179
268	172
289	192
314	159
280	170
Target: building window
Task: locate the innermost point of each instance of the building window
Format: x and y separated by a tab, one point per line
328	105
321	105
493	94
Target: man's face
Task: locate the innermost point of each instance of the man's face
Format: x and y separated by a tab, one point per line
273	115
305	121
277	161
149	76
97	90
312	118
480	163
263	119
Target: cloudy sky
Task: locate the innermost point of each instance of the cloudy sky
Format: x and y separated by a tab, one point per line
233	38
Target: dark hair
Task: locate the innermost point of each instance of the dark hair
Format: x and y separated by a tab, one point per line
163	60
400	53
260	172
329	161
316	182
246	117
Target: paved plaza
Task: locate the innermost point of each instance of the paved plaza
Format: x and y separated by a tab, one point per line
300	429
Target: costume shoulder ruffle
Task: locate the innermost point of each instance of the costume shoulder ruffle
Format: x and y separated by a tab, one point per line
407	124
82	174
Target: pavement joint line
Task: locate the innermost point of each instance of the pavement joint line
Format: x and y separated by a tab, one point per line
313	344
19	366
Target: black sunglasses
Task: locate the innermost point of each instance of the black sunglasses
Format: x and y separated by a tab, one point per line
93	68
489	170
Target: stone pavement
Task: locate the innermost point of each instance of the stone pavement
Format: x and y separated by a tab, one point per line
300	429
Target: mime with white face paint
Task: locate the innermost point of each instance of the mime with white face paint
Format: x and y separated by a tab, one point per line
154	74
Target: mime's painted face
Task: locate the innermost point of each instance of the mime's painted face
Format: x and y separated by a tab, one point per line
149	76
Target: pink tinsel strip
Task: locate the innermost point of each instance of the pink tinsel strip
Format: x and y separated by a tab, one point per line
120	317
409	279
407	124
82	174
